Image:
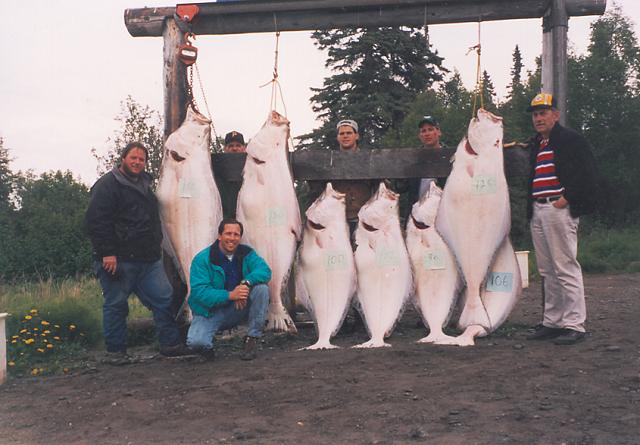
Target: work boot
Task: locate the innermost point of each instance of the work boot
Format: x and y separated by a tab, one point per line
250	349
118	358
178	350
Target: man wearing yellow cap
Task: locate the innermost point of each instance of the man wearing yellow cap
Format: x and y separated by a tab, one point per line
562	187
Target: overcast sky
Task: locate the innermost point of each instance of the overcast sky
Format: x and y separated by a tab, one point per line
68	64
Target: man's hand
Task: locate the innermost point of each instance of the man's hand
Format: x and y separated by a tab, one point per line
560	203
110	264
239	295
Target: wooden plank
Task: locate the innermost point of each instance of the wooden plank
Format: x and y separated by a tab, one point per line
367	164
264	16
175	79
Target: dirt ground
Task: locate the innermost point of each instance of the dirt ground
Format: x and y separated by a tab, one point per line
504	390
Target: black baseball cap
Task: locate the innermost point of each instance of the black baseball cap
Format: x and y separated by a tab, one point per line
429	120
233	136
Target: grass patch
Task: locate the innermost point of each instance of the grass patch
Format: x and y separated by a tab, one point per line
603	250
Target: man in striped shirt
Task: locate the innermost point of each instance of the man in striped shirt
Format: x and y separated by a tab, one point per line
562	187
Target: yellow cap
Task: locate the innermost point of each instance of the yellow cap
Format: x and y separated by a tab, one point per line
542	100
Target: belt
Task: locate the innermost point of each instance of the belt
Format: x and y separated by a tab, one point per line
547	200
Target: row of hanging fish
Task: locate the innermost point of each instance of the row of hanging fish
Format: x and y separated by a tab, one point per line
455	240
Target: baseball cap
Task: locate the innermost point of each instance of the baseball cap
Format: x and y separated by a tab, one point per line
233	136
350	122
542	101
429	120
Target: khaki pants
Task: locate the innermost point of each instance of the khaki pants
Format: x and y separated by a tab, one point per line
555	239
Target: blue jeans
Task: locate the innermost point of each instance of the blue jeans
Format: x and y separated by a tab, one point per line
226	316
149	282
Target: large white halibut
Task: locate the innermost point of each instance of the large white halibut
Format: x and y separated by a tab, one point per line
474	214
190	206
326	269
382	264
268	209
435	274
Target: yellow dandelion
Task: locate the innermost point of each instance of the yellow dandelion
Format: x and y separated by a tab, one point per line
40	350
56	326
14	341
34	371
49	346
65	370
46	332
14	336
45	340
11	363
41	369
36	329
28	317
72	327
33	311
56	338
22	331
29	341
45	323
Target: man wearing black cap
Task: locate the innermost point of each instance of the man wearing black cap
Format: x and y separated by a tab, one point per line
233	143
562	187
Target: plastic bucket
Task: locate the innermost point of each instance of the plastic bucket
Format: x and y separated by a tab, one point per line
523	263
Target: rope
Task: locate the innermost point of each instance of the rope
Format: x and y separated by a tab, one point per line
426	27
479	86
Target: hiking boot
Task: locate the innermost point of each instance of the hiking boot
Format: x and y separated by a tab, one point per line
569	337
250	349
118	358
178	350
541	332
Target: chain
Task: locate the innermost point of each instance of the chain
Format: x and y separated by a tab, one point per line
206	105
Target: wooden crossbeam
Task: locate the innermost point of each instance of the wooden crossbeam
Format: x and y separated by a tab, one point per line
367	164
298	15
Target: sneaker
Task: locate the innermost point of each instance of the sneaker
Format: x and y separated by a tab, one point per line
569	337
541	332
250	349
119	358
178	350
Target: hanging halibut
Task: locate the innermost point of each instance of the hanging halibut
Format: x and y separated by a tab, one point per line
190	206
435	274
268	209
326	271
474	215
502	288
382	264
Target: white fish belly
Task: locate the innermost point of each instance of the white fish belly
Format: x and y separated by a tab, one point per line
384	284
436	280
190	205
502	288
329	277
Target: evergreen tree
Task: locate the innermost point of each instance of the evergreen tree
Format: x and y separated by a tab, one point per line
516	69
378	73
139	123
488	93
7	178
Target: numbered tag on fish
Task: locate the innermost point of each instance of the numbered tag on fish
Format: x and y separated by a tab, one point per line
276	216
386	257
187	189
336	260
499	282
483	185
433	260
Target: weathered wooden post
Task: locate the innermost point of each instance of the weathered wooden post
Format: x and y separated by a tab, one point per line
3	349
555	77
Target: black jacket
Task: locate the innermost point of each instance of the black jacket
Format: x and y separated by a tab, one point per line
123	219
575	168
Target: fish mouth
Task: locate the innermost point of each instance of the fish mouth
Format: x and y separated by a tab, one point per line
368	228
469	149
315	226
418	224
176	157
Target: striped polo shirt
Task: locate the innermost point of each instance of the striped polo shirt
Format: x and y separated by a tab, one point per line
545	182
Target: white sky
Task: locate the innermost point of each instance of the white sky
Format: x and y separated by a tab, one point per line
67	65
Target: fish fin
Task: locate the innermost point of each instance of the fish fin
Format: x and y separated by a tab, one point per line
373	344
321	345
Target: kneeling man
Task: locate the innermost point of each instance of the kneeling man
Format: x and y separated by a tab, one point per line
228	286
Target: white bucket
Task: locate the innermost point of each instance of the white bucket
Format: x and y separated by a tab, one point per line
3	349
523	263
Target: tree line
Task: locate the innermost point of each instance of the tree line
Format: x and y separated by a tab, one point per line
386	79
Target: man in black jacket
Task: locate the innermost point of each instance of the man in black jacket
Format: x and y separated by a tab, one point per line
562	187
123	224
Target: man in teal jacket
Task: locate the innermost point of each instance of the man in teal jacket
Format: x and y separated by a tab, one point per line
228	286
